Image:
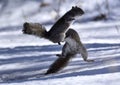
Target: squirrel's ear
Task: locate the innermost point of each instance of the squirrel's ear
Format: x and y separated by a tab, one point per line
76	7
73	7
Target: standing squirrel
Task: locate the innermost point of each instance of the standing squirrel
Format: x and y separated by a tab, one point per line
57	33
72	46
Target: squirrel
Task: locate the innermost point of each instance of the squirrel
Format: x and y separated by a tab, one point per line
57	32
72	46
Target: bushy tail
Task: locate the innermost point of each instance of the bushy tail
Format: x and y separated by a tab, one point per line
59	64
34	29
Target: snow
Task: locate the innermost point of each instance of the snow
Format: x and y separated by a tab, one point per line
24	58
76	80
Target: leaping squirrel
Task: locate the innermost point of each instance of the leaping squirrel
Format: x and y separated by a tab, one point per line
57	33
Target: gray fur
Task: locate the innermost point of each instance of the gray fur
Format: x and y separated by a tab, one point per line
57	32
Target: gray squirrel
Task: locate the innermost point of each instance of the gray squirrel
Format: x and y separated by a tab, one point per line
57	32
72	46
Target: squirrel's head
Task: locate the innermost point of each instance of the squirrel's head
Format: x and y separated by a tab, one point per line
72	34
77	11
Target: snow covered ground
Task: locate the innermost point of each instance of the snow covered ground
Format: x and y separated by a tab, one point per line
24	58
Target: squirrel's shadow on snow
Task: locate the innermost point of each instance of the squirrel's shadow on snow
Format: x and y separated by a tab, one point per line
27	54
33	58
107	54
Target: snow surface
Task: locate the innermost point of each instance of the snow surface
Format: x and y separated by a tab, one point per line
24	58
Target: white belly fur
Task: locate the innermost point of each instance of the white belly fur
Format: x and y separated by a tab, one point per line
72	44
